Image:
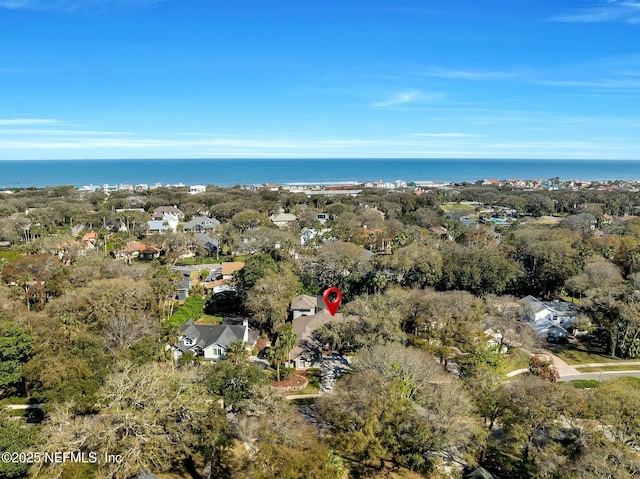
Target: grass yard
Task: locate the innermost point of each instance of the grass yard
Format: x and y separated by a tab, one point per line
516	359
209	319
577	355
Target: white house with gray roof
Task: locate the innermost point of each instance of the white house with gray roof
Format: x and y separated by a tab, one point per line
552	320
211	341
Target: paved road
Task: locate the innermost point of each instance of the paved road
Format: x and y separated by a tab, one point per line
569	372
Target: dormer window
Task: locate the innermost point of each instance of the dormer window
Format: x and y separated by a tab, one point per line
187	341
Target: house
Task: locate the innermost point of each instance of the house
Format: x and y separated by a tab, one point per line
308	234
168	222
210	244
90	239
211	341
201	224
195	189
138	249
161	211
308	354
282	220
183	288
552	320
322	218
228	269
303	305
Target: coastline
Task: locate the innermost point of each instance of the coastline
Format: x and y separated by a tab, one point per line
230	172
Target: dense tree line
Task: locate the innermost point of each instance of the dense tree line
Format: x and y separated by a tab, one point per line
85	334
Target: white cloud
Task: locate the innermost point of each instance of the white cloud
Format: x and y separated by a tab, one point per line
408	97
446	135
72	5
626	11
477	75
28	121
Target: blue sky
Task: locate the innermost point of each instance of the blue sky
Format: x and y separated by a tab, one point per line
319	78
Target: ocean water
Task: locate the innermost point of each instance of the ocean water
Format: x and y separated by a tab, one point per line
229	172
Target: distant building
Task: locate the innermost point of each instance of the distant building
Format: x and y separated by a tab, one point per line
168	222
282	220
160	211
195	189
201	224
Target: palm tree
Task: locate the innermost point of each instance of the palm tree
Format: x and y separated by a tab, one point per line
237	351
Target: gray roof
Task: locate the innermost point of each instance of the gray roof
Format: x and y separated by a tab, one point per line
205	335
203	221
304	301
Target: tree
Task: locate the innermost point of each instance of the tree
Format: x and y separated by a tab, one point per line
416	265
15	438
534	407
237	351
237	383
283	445
16	347
341	265
269	299
480	271
396	407
34	274
617	409
153	416
543	367
285	342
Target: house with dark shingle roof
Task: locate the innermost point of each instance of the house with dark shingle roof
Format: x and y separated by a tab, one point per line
308	354
211	341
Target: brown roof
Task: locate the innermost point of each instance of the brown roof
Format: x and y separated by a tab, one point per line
232	267
304	326
141	247
216	283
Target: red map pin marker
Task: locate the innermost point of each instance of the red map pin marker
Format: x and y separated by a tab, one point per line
332	306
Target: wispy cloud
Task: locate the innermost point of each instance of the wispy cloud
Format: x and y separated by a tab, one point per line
72	5
28	121
472	75
619	11
446	135
409	97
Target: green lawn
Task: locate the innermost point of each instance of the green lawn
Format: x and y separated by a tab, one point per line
577	355
516	359
209	319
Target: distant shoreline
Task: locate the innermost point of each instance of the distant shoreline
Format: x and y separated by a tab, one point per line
225	173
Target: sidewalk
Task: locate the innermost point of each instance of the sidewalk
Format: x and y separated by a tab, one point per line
573	369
